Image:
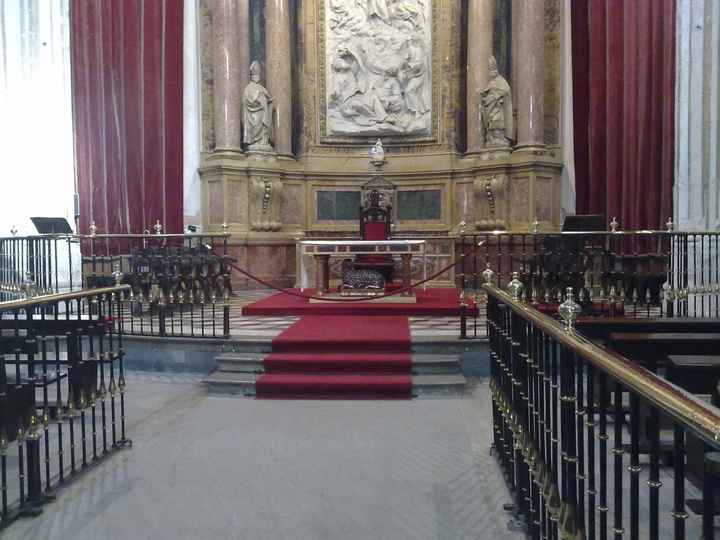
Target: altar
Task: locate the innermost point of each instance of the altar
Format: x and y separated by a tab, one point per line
323	250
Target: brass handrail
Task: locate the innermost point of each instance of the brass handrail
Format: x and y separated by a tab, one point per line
680	405
60	297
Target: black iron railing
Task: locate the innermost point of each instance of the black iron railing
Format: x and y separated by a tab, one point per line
628	273
62	393
180	283
45	263
568	432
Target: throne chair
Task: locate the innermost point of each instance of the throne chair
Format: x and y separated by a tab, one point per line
369	271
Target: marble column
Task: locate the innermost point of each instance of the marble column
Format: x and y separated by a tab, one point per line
697	106
226	70
243	51
528	50
479	49
278	54
192	187
697	141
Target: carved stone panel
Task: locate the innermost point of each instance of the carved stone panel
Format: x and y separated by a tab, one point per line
378	67
265	203
491	202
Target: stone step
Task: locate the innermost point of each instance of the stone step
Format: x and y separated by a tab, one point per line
423	364
436	364
438	385
243	384
240	362
231	383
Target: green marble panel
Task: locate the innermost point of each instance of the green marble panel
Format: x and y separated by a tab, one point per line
422	204
338	205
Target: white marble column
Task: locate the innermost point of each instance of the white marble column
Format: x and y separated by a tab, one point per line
192	188
567	190
226	70
479	49
697	127
697	170
528	51
278	54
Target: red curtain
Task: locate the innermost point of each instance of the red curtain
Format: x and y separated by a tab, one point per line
623	109
127	112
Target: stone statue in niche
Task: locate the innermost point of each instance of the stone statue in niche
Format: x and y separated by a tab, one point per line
377	153
491	202
378	67
257	113
265	199
496	112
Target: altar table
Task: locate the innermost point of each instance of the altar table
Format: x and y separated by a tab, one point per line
323	250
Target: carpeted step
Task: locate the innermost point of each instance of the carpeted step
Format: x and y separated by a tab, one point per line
350	333
332	362
317	386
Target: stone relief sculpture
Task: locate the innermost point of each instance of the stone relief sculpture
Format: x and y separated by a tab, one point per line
491	202
496	112
257	113
378	67
265	200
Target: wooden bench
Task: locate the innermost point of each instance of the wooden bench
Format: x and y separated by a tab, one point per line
652	349
698	374
601	327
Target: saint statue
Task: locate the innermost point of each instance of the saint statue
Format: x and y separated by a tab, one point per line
496	111
257	112
377	153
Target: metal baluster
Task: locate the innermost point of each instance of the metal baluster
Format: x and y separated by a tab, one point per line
603	437
555	438
618	418
580	412
654	478
59	403
4	441
590	424
45	416
634	467
105	321
679	513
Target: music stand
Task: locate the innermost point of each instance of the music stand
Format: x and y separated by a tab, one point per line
51	225
584	222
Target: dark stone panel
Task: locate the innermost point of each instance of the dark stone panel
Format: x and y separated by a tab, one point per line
502	45
425	204
338	205
257	31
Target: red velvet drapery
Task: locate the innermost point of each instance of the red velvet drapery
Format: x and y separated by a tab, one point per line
623	109
127	113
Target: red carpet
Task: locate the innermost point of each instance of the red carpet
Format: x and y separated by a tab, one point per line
349	357
437	302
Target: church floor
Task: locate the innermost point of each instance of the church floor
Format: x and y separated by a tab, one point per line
213	467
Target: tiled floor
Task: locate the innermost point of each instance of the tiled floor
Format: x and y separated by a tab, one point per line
210	467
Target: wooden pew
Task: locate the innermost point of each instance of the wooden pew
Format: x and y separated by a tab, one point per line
652	349
698	374
599	328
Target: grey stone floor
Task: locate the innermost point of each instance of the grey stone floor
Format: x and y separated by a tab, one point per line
213	467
